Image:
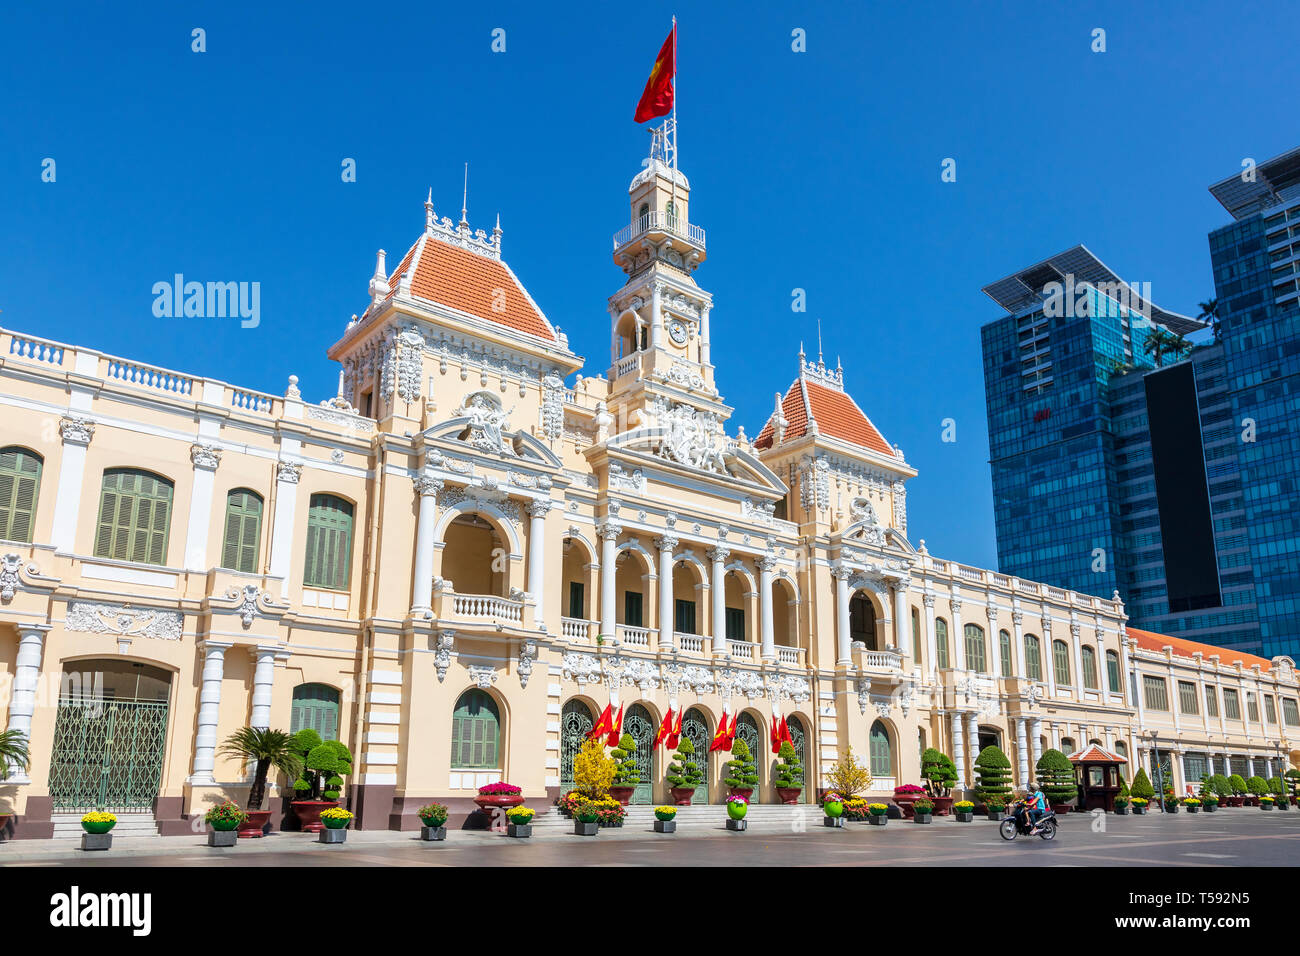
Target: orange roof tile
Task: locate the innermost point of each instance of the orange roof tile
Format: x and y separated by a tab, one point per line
836	413
1095	754
1150	641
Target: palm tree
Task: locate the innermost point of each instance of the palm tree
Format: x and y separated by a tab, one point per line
269	748
13	752
1210	313
1179	346
1159	342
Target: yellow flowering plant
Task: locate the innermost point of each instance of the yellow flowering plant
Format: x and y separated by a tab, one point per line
520	815
336	813
98	816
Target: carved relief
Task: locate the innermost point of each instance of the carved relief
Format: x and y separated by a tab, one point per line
124	620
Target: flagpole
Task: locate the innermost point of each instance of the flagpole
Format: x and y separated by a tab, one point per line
673	218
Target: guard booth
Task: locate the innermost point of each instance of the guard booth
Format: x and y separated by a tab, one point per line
1097	772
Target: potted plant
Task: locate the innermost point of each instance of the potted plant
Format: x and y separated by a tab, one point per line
742	773
626	773
324	762
1266	802
684	773
789	775
13	756
1220	787
1278	789
1237	784
224	818
1192	804
965	811
992	775
737	807
520	822
939	773
593	771
609	812
878	814
1256	788
334	825
1055	774
665	819
1121	805
922	809
848	778
855	808
1169	803
584	820
265	749
495	799
906	795
1142	790
994	806
433	816
1139	806
97	825
1292	778
1210	803
833	809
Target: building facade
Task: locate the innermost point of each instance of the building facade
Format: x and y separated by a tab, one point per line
456	562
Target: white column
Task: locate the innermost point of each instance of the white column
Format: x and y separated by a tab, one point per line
718	589
1018	638
1022	752
766	565
77	433
666	543
704	336
609	533
956	636
902	619
931	644
972	742
1174	700
958	747
537	510
656	334
1250	767
286	504
27	674
205	742
422	588
1076	653
1036	745
205	459
1123	667
1244	701
263	679
844	639
1048	657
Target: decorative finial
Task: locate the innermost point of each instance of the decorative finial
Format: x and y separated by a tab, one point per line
379	281
428	212
464	202
819	341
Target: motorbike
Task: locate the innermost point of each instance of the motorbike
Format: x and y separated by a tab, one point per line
1017	823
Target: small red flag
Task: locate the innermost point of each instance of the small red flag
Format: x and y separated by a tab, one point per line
616	728
731	734
720	739
657	99
775	735
675	735
665	728
603	723
785	732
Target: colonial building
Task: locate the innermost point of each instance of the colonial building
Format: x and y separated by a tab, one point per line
457	561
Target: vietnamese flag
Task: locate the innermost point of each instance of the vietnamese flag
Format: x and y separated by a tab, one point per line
720	739
657	99
785	732
603	724
675	735
665	728
731	734
616	728
775	735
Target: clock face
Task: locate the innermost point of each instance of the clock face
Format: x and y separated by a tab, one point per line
677	331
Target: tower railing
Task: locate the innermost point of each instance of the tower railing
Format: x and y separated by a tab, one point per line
658	221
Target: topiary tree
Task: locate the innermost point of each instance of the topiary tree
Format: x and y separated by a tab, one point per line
848	778
742	773
1256	786
993	771
1055	775
1237	785
938	771
1142	785
626	772
593	772
1220	785
789	772
1292	778
684	772
324	764
1275	786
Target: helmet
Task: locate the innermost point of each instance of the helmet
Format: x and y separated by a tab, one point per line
1032	787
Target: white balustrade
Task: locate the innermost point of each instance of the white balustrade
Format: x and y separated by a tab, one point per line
787	655
36	350
741	649
486	607
634	636
694	643
970	574
575	628
659	221
147	376
250	401
883	659
627	365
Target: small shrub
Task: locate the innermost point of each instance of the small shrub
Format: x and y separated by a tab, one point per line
1142	786
1256	786
1056	776
1237	785
742	773
993	771
789	772
938	771
684	772
849	777
626	773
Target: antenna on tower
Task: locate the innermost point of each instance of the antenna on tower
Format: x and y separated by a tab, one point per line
819	341
464	201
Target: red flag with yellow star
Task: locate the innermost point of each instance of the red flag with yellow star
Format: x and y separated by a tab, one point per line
657	99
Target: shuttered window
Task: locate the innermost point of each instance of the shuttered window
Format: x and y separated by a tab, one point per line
1033	658
1231	704
882	757
329	543
475	732
1211	702
1187	698
20	484
941	642
684	616
1004	651
1089	668
315	707
135	510
734	620
975	649
1157	694
1061	662
243	531
1289	712
1112	672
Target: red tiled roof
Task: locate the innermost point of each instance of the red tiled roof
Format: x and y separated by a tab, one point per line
468	282
1095	754
836	413
1149	641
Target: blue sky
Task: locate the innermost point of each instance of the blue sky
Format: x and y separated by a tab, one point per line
816	170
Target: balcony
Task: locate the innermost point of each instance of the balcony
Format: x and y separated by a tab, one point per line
575	629
634	636
481	609
661	223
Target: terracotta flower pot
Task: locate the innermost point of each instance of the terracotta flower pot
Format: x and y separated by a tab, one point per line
682	795
746	792
309	812
622	794
905	801
254	822
489	803
789	795
942	805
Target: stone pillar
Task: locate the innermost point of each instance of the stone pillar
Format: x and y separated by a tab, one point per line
422	588
205	459
666	543
609	533
766	565
972	742
263	678
27	674
902	619
1036	745
931	644
718	591
958	639
205	742
76	433
844	634
656	333
993	642
1250	767
1022	752
958	747
704	336
1076	652
1048	657
282	534
1018	642
537	510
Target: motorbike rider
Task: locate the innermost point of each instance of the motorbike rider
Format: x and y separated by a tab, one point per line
1035	806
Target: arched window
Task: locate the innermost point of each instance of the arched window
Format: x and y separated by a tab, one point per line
1089	668
315	707
916	635
643	211
1004	651
1113	676
1068	746
941	641
882	757
329	543
135	510
862	621
975	659
475	732
1033	658
20	484
243	530
1061	663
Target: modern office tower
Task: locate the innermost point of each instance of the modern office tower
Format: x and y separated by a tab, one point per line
1256	261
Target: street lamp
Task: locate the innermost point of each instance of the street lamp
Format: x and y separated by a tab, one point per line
1160	773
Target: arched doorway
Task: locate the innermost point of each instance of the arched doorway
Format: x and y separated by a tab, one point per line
470	556
576	722
862	621
638	723
799	741
990	737
881	751
695	728
110	736
747	730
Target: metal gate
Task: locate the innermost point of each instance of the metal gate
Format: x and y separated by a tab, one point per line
798	739
747	730
575	723
107	754
695	728
638	722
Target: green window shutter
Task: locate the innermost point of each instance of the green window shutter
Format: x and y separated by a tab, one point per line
1004	652
941	642
1089	668
329	543
475	732
734	620
20	483
134	517
1061	661
1033	660
243	531
315	707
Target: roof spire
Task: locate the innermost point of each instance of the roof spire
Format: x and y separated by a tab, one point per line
464	202
819	341
428	212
